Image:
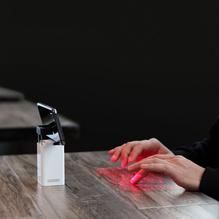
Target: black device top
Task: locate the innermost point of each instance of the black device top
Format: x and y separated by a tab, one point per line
51	127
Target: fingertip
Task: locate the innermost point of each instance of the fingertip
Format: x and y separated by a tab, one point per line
132	182
113	158
131	159
136	178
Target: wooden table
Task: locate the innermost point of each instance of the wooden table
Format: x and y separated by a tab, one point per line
18	120
10	95
94	189
24	115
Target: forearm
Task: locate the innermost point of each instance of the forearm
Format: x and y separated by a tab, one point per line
209	182
197	152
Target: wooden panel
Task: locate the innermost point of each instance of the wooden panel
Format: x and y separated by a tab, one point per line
15	199
54	202
96	200
153	191
82	197
24	114
10	95
94	190
186	212
18	121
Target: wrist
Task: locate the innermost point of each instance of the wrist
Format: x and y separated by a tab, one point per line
199	178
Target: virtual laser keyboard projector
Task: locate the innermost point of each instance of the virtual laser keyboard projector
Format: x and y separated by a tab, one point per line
50	148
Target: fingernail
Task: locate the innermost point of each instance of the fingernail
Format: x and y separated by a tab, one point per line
135	178
113	158
130	159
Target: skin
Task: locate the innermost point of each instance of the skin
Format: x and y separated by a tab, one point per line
152	156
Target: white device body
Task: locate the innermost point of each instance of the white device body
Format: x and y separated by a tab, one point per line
50	163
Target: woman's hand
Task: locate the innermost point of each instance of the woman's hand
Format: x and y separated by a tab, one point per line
152	156
183	171
137	150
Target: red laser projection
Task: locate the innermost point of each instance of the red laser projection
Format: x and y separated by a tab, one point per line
120	178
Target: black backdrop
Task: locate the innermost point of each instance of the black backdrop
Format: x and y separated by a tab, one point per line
123	70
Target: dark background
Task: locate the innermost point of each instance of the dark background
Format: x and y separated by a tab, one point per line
123	70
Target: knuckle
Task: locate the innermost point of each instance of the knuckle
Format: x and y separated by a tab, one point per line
125	149
163	167
154	140
124	145
179	157
144	160
118	147
117	150
127	145
156	160
151	165
137	147
131	144
155	156
134	142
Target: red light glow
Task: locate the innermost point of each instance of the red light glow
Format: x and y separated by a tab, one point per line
120	178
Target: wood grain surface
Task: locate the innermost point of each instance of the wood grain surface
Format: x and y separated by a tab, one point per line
10	95
95	188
